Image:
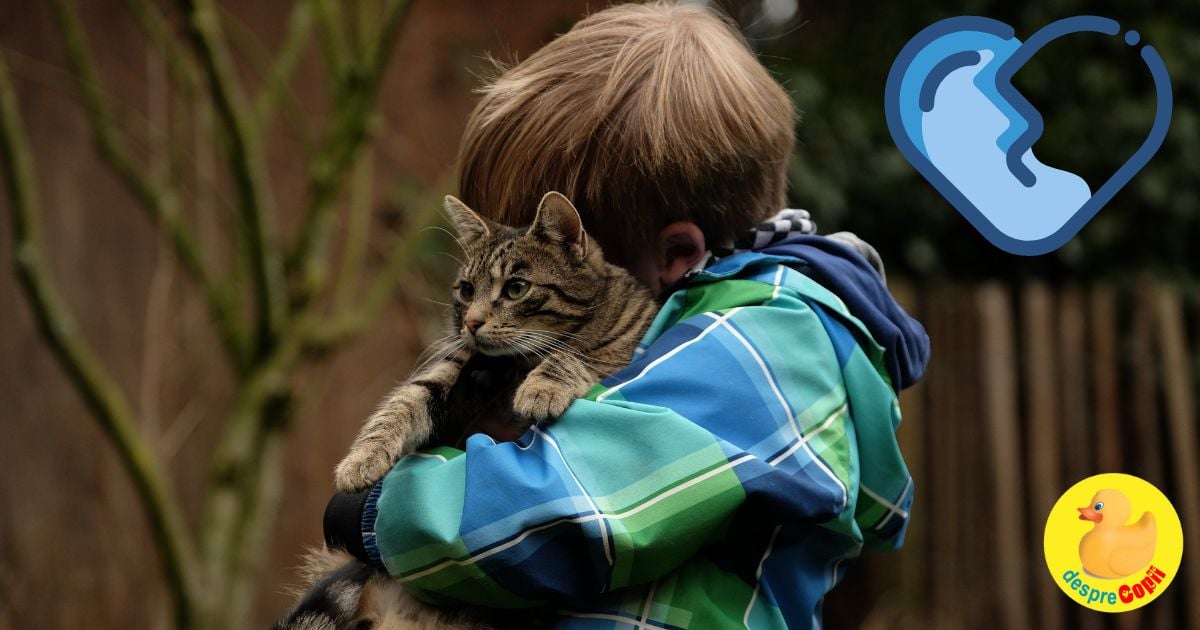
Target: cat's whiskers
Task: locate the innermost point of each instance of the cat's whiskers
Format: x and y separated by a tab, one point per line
451	234
437	345
511	344
448	346
548	342
523	346
541	354
556	334
456	258
571	335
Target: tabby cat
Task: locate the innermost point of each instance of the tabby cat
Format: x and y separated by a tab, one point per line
538	318
542	296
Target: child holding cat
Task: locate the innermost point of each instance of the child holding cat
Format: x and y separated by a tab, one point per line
748	450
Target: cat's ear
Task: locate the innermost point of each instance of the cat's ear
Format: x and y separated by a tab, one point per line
558	220
469	225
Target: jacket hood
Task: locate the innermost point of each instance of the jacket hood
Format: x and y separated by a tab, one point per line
849	275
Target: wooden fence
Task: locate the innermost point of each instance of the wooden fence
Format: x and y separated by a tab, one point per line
1031	389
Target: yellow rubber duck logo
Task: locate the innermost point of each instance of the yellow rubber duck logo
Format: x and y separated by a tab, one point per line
1107	555
1113	549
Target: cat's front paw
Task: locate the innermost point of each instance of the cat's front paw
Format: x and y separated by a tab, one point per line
540	399
362	468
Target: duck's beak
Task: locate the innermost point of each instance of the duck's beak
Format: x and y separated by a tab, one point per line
1088	514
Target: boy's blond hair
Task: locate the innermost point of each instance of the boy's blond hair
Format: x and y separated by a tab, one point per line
643	115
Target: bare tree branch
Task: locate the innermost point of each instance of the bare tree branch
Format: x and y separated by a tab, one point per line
246	45
246	164
299	26
357	232
158	197
333	37
211	581
260	409
348	323
101	393
353	108
261	499
155	26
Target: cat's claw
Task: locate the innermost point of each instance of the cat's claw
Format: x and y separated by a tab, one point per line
361	469
541	399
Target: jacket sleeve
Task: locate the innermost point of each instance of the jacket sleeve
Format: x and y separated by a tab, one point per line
715	417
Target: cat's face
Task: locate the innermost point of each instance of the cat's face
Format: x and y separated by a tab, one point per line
525	291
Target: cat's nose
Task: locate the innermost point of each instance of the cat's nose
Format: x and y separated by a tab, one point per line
472	325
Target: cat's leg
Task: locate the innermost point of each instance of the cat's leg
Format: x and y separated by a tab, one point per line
402	423
552	386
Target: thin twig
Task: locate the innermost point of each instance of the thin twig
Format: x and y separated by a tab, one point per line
247	166
357	231
154	25
299	26
237	463
129	119
333	37
257	64
156	196
354	105
100	392
349	322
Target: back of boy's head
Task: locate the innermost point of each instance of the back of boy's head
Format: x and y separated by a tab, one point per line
643	115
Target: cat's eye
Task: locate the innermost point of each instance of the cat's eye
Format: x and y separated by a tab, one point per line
466	291
516	289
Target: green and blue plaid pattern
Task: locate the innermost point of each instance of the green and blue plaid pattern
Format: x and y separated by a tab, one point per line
722	479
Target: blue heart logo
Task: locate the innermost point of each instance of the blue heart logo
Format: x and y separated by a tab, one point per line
954	113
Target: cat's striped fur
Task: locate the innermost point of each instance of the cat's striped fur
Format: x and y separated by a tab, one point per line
542	343
542	296
348	594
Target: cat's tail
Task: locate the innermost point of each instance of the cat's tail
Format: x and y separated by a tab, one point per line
348	594
334	597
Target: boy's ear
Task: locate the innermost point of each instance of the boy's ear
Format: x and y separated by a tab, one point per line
470	226
558	220
681	247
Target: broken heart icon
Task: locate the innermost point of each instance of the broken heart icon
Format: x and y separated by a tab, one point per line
954	113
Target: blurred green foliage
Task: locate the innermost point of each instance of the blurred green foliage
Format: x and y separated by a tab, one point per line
1097	99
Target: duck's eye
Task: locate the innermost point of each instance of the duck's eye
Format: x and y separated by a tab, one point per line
1099	506
466	291
516	289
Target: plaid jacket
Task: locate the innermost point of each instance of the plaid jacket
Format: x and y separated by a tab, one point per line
722	479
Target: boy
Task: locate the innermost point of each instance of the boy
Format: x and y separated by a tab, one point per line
748	450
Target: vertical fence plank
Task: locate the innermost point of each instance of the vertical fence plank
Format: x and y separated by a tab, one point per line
914	558
1141	456
1042	433
1105	385
1073	384
978	545
1077	438
1179	395
944	472
999	370
1146	412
